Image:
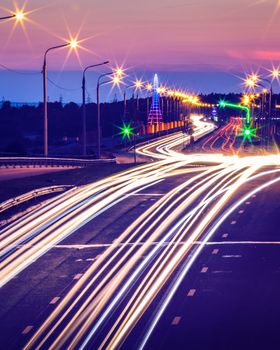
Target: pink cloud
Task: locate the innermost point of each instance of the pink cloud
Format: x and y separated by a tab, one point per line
268	55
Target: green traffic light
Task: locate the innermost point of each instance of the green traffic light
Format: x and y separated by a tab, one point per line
126	131
248	132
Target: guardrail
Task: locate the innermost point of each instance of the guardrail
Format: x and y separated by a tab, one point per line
32	194
50	162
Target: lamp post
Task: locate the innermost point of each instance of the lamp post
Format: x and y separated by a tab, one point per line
7	17
124	99
149	88
126	132
46	152
116	79
136	85
254	80
84	104
270	96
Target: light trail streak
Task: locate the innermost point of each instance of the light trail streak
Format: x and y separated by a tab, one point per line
77	325
189	264
227	135
120	285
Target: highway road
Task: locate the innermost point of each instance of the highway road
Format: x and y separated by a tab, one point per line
181	252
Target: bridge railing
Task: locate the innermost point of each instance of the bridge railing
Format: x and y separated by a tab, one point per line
32	194
6	162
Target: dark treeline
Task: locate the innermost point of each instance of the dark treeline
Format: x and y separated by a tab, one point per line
21	128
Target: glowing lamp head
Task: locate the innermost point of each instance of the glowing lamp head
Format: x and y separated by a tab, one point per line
116	79
170	92
138	84
222	104
73	43
246	100
276	73
119	72
247	132
250	83
254	77
149	87
19	16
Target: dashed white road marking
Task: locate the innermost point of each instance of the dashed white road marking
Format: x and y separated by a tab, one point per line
254	196
225	235
241	212
215	251
204	269
221	271
54	300
233	222
176	320
27	330
247	203
191	292
78	260
77	276
232	256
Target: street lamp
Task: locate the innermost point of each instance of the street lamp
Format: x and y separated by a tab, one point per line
137	84
84	104
253	81
115	79
18	16
73	44
149	88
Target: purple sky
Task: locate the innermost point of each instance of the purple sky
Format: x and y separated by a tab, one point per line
216	37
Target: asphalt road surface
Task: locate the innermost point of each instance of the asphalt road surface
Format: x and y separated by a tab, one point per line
17	173
181	253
